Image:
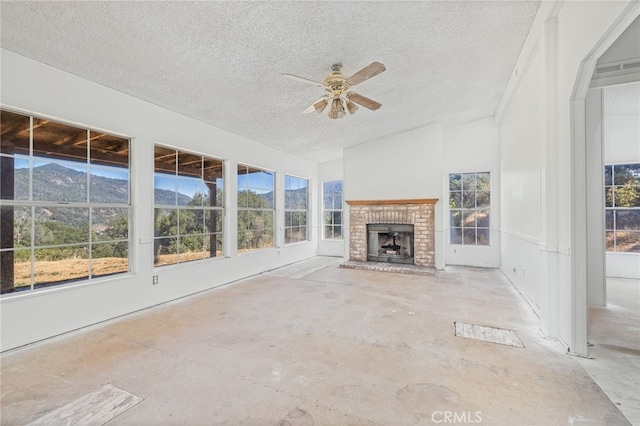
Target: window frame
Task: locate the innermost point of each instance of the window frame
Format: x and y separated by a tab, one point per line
266	212
206	231
611	207
85	250
296	211
332	211
475	210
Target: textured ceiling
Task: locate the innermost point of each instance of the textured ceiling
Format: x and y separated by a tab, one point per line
220	62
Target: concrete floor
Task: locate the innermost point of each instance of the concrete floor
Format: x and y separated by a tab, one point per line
614	338
336	346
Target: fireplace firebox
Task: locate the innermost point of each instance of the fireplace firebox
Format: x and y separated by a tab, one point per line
392	243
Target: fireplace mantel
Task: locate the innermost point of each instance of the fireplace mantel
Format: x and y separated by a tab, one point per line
417	212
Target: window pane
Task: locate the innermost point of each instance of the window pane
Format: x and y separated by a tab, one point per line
469	236
288	219
21	272
59	142
608	177
18	167
468	219
337	232
108	150
610	238
21	226
483	236
608	219
189	191
110	224
109	185
61	264
337	218
628	241
56	180
626	173
165	186
628	220
455	219
166	222
328	232
166	250
212	194
61	225
483	199
109	258
15	133
456	235
455	182
482	182
455	200
468	199
192	247
190	221
482	218
213	221
627	196
609	191
469	181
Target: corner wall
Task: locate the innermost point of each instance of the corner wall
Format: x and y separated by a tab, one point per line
42	90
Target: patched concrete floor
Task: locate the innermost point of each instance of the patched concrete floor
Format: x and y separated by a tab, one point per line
337	346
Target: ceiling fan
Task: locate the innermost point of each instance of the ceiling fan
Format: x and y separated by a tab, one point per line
338	86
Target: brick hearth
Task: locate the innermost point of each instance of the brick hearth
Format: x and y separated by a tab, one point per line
419	213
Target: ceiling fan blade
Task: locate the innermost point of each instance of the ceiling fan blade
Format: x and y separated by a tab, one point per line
302	80
363	101
366	73
318	105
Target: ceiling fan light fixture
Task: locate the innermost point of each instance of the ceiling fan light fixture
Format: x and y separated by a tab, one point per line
351	107
337	109
321	105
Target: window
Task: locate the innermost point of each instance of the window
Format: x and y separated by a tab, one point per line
256	210
188	211
332	209
469	201
622	210
64	200
296	206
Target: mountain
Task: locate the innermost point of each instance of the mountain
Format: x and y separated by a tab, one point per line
54	182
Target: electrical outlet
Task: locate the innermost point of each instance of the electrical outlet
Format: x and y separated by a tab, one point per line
514	270
155	279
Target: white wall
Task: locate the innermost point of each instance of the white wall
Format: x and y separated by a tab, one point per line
596	280
327	171
473	147
621	135
521	146
404	166
43	90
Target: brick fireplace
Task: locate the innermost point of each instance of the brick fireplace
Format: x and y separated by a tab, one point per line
418	213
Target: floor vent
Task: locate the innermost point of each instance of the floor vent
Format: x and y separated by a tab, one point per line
96	408
488	334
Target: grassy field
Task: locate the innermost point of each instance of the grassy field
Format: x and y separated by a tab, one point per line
75	269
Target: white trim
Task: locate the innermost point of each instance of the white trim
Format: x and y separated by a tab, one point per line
578	344
520	236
